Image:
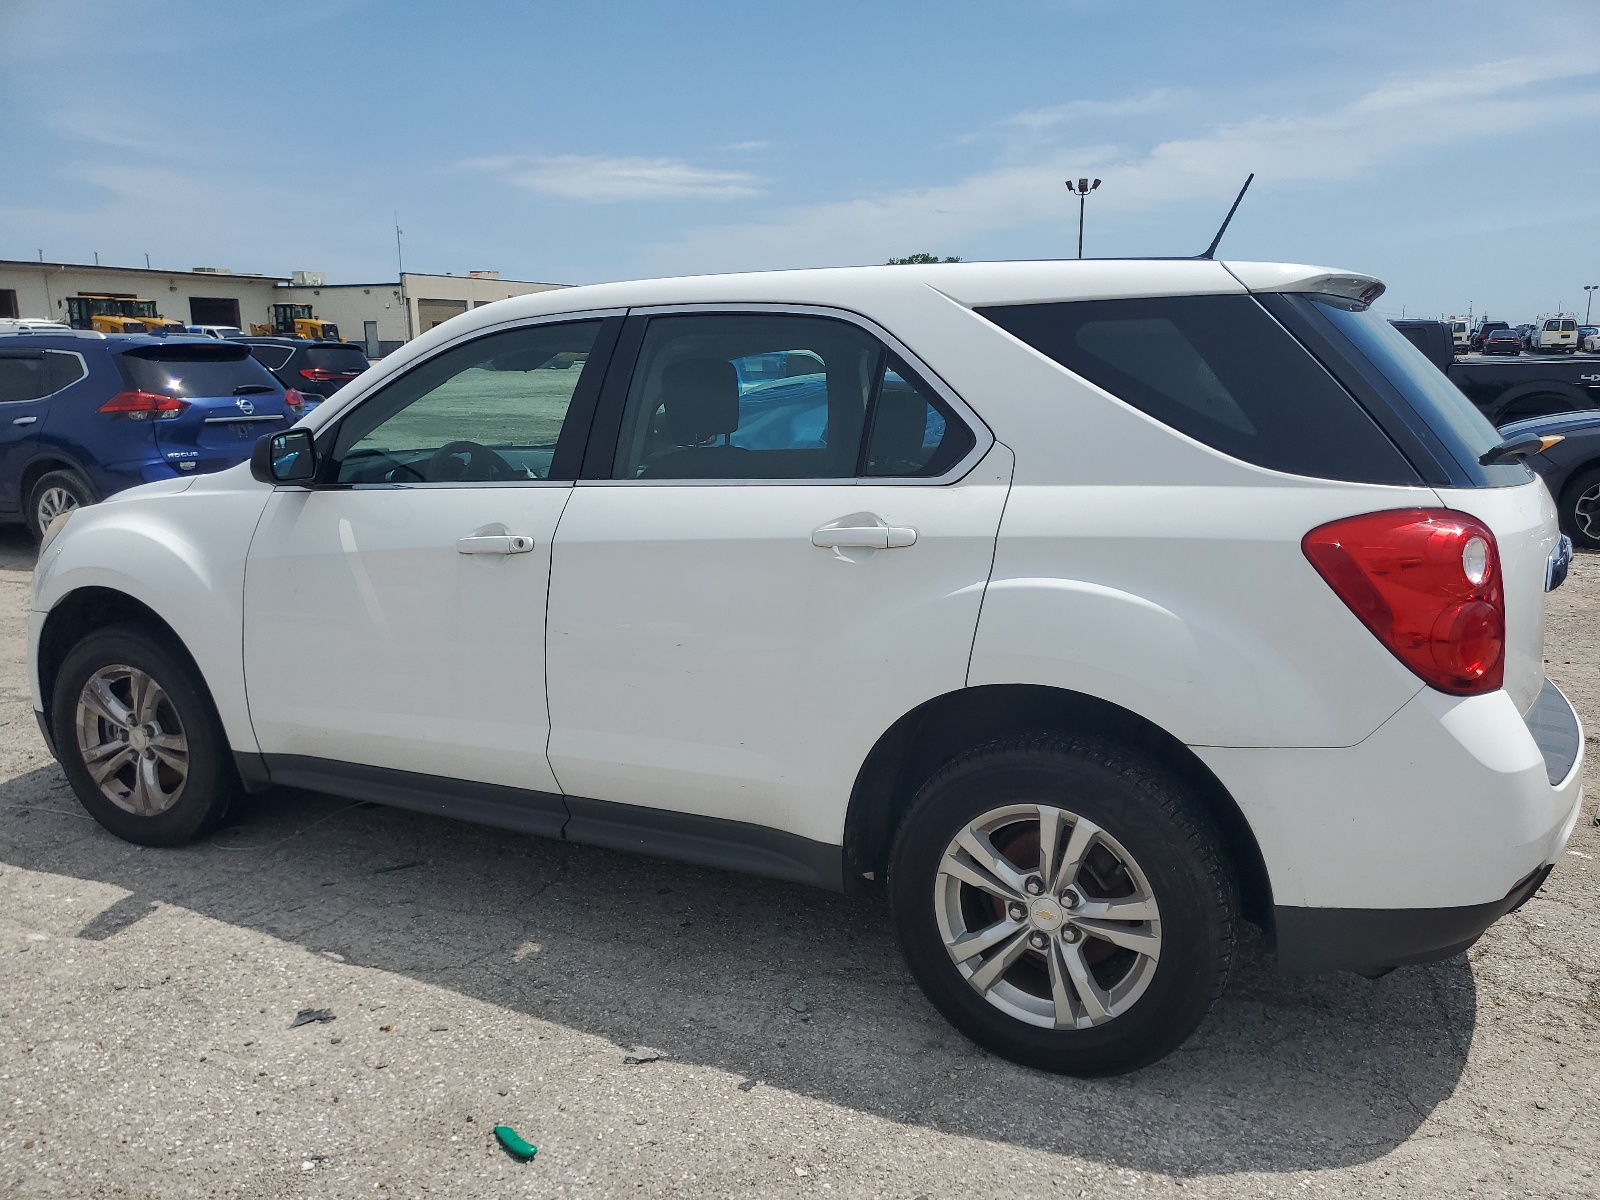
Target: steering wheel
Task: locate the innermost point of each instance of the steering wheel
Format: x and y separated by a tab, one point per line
478	464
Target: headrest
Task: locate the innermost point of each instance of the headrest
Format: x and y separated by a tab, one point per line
899	426
701	396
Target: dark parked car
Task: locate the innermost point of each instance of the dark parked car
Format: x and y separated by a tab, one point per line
1503	341
88	415
1571	469
1433	338
316	369
1484	329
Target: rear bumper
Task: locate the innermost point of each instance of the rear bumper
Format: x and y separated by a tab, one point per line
1374	940
1406	847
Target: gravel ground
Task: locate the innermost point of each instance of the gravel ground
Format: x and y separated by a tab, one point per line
477	977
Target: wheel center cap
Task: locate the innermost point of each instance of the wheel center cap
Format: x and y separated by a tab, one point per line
1045	913
138	739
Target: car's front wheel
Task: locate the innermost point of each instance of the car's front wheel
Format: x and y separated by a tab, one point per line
1063	902
139	740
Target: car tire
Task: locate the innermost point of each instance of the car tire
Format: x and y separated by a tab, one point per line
1579	509
962	909
54	493
124	695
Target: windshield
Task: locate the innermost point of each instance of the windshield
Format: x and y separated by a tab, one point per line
1426	389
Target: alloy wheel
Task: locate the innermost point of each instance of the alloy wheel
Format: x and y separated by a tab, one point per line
1047	916
54	501
132	741
1586	512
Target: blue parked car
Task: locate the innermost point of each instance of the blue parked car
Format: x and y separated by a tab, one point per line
84	415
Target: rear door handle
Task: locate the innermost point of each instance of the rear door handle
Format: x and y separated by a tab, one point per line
495	543
863	531
24	420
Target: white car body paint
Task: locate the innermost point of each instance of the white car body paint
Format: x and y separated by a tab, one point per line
705	657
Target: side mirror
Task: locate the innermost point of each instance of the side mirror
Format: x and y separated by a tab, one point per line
288	457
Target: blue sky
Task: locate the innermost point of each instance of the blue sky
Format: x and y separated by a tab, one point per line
1448	148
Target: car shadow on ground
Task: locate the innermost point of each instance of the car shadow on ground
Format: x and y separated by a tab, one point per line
801	989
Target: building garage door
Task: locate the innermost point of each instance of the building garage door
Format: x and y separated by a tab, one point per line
207	310
437	312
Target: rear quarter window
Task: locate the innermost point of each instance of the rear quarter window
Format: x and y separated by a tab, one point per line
1221	370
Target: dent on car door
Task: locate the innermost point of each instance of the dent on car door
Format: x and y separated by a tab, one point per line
395	611
775	563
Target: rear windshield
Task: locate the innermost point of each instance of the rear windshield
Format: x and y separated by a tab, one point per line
345	360
1415	383
194	370
1221	370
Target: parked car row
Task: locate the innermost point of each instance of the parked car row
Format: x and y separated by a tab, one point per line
1558	333
85	414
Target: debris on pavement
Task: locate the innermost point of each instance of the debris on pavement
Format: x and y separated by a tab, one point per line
644	1054
799	1005
308	1015
748	1085
513	1143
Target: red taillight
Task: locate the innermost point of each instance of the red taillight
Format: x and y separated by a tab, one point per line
142	406
317	374
1426	581
293	399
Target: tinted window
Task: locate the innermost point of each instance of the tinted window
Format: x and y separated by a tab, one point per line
36	374
63	368
342	360
1453	418
1222	371
489	411
913	433
748	396
193	369
23	377
271	357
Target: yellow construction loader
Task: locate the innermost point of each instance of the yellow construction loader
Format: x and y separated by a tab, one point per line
295	320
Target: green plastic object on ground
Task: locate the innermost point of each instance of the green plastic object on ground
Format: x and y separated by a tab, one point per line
512	1141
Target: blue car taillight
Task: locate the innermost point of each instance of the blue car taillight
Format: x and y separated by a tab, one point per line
144	406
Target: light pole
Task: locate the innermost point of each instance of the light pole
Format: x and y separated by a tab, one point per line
1081	190
1588	304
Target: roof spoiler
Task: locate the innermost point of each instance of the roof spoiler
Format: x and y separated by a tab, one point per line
1357	291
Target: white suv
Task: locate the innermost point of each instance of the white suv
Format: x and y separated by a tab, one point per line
1089	607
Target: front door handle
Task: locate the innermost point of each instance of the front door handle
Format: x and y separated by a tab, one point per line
863	531
24	420
495	543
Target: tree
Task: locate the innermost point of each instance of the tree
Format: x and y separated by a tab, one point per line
912	259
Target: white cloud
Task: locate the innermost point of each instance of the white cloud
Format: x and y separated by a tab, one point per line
1096	110
747	147
607	180
1389	123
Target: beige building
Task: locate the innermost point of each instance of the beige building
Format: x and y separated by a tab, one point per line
380	316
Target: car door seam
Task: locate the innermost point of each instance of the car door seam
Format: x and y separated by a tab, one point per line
994	555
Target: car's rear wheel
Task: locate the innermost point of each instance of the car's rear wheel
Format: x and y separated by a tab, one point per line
139	740
54	493
1064	902
1579	509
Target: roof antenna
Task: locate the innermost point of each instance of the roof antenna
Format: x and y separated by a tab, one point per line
1211	250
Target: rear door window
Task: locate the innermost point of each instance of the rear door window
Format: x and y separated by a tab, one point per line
1222	371
195	370
34	374
23	377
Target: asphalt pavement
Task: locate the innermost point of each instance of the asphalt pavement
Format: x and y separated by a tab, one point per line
663	1030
